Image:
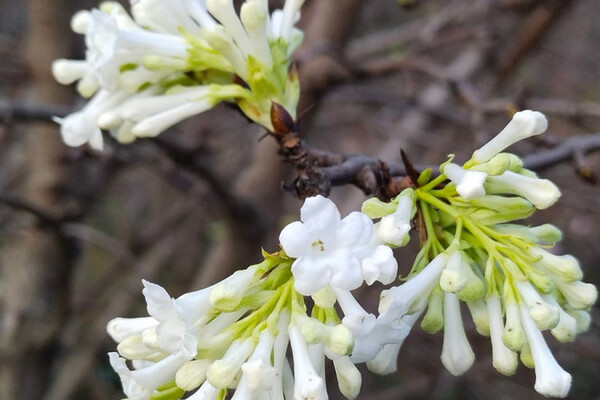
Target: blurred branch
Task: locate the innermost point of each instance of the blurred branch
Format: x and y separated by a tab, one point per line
45	218
30	112
566	150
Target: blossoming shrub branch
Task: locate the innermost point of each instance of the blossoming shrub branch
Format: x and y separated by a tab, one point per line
147	72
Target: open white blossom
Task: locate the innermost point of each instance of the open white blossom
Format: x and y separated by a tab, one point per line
332	251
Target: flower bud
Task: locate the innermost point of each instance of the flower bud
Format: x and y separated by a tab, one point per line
524	124
582	318
386	361
340	340
324	298
500	163
566	329
526	357
469	184
564	267
503	359
579	295
228	295
550	378
479	314
542	193
80	21
433	321
222	372
513	335
454	278
348	377
475	288
457	355
192	374
545	315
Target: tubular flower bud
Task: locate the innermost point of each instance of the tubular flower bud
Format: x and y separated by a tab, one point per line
469	184
457	355
542	193
524	124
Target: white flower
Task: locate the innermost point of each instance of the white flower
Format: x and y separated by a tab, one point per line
503	359
513	336
457	355
550	378
192	374
308	384
334	251
524	124
173	332
542	193
348	377
545	315
120	329
81	127
413	294
228	294
454	278
566	329
280	362
394	228
171	17
205	392
566	267
579	295
140	384
479	314
386	361
222	372
469	184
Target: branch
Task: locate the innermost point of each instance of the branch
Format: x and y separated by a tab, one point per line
23	112
567	150
44	217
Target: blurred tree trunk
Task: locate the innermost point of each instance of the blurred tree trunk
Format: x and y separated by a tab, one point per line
34	266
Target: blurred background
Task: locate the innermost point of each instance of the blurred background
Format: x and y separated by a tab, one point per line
80	229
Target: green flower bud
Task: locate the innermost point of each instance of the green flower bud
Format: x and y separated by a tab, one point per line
513	335
454	278
480	316
582	318
546	233
340	340
192	374
527	357
324	298
495	166
313	330
579	295
540	280
433	321
475	289
565	267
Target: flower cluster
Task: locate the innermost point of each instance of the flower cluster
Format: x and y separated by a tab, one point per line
172	60
475	253
233	336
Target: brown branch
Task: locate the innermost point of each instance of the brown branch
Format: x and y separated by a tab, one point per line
30	112
567	150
